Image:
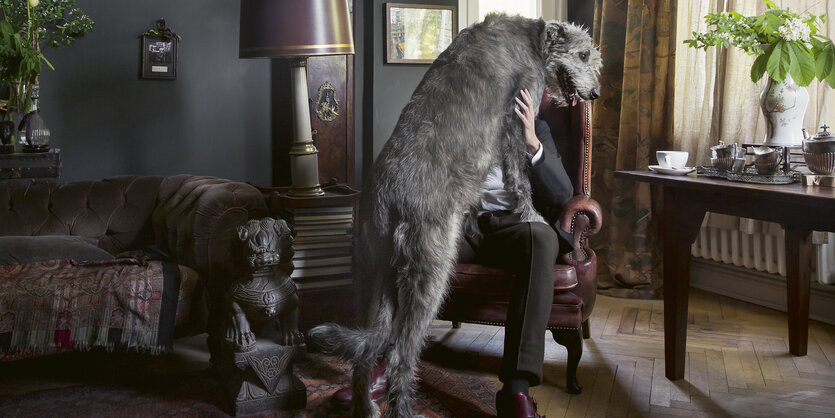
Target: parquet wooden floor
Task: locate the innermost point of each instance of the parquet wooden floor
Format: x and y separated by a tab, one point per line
738	362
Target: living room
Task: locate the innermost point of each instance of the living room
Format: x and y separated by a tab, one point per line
165	159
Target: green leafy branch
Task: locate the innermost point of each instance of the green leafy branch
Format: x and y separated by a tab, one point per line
777	54
28	28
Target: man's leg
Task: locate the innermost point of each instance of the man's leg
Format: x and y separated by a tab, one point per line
529	251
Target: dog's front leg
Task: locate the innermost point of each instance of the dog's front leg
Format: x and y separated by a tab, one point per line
515	163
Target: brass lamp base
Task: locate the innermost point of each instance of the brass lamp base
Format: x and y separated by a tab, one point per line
304	167
307	191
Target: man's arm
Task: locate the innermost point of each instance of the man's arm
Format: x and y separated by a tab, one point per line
551	184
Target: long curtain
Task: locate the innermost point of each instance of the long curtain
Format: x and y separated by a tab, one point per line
633	118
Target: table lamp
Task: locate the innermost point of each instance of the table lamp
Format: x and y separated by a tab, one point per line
297	30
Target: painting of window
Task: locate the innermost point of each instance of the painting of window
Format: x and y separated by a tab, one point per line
417	33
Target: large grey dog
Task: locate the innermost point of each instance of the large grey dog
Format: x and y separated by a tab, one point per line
459	123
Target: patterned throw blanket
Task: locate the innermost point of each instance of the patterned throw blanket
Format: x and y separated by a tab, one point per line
61	305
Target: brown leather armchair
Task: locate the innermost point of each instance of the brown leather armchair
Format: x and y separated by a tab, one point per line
479	294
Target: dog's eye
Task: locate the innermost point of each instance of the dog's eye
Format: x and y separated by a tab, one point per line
584	56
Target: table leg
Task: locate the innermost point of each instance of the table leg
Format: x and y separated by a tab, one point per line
798	275
680	222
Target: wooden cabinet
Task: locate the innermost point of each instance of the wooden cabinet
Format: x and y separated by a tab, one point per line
323	260
31	165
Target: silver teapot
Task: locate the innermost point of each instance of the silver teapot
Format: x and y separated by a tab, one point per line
728	157
819	151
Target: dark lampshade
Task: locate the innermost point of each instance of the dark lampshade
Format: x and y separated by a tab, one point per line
287	28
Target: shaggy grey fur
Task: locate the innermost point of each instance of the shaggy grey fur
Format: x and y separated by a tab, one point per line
459	122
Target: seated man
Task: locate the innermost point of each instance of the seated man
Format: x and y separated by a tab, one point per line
529	250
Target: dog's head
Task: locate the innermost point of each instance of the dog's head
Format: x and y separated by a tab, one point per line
265	241
572	63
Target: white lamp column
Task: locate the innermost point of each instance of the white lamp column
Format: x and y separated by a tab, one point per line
304	163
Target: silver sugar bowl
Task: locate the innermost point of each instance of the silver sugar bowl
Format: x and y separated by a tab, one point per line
819	151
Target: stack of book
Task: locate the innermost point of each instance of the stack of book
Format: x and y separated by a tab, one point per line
323	245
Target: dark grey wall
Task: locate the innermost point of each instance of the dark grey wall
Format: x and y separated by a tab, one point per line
213	120
387	87
581	12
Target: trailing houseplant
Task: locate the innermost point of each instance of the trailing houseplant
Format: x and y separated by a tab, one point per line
28	28
790	49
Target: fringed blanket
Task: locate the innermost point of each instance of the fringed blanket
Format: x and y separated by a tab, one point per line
61	305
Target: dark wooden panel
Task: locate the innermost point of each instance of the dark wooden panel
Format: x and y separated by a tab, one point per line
330	304
333	138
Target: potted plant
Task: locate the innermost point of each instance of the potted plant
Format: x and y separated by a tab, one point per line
789	48
28	28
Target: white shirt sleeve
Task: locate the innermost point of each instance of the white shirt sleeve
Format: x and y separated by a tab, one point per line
538	156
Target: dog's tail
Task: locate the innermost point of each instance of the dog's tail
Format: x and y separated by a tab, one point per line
362	345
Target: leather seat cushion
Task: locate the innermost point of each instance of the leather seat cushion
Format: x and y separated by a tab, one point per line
492	281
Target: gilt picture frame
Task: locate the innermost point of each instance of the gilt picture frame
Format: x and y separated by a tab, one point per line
418	33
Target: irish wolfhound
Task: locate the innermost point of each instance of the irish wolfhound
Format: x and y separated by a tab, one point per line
458	123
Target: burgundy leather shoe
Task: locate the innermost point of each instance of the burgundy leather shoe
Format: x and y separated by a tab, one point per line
379	385
519	405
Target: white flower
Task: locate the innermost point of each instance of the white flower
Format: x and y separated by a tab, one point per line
33	3
795	30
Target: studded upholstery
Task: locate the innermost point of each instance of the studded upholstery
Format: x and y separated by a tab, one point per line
190	217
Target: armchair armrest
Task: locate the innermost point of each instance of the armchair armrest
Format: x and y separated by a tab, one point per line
195	219
581	217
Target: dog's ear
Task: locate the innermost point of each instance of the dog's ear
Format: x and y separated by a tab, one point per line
555	32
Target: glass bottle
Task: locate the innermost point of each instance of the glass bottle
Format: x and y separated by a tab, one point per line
37	133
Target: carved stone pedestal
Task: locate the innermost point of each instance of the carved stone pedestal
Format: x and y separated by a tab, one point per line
262	380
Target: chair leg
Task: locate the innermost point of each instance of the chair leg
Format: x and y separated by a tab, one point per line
573	342
586	330
456	324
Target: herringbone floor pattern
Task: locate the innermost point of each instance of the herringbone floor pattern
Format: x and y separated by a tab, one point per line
738	363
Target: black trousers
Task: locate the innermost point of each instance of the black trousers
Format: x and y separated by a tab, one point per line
529	251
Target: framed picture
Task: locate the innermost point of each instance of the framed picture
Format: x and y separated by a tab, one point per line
418	33
159	58
159	53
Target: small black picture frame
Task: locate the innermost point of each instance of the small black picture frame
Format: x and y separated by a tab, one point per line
159	53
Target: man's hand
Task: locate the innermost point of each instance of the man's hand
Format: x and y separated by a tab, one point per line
527	113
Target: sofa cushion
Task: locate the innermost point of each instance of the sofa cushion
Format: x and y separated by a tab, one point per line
24	250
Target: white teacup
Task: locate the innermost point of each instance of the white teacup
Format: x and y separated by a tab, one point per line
672	159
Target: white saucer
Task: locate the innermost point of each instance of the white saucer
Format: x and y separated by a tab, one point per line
672	171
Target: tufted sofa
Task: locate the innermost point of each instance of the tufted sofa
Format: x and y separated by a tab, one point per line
191	219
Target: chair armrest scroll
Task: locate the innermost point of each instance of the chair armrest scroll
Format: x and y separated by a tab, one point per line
581	217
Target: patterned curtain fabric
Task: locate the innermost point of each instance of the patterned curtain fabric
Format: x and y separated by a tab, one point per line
633	118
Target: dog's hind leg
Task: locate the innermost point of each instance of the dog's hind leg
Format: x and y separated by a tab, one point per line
426	253
363	405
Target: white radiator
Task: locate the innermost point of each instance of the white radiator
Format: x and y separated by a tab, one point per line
759	246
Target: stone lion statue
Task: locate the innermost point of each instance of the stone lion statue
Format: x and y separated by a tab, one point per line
262	300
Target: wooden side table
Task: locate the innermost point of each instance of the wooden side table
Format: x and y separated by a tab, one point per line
685	199
22	165
324	250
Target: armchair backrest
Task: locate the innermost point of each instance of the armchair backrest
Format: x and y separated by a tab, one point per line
571	129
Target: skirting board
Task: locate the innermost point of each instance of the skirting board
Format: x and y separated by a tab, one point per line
757	287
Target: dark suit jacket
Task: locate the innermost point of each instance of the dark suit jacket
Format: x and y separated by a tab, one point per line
550	183
551	188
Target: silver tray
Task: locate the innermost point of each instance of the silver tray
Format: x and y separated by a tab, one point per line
750	175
